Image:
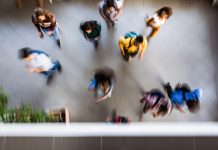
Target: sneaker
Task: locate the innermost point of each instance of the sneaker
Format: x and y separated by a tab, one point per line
59	67
58	43
96	44
166	85
50	78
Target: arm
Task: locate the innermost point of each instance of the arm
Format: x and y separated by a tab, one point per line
144	97
148	21
36	24
37	70
121	45
119	12
180	108
99	28
143	47
53	22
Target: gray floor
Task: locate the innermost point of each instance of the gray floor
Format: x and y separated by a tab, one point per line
185	50
108	143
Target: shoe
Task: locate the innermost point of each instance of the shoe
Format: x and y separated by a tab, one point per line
58	43
166	85
50	78
59	67
96	44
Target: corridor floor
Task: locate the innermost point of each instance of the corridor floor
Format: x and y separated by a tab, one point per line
185	50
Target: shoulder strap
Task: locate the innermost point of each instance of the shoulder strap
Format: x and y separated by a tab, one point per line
130	42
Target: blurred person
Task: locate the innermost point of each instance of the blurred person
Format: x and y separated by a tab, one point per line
155	102
102	83
131	44
114	118
110	10
182	94
40	62
157	20
45	22
91	31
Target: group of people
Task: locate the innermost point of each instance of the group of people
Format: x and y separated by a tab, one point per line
104	79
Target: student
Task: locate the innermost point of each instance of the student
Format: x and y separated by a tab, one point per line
40	62
91	31
155	102
102	83
117	119
158	19
183	94
131	44
45	22
110	10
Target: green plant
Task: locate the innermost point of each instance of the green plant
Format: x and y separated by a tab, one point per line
23	114
3	104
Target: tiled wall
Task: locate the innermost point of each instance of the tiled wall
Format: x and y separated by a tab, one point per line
109	143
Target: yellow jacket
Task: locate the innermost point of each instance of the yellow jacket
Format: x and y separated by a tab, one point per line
125	44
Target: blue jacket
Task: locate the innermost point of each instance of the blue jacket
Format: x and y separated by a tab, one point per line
178	97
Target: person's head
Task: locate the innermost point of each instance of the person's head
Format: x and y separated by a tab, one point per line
42	14
110	4
139	40
86	27
163	109
24	53
165	12
193	105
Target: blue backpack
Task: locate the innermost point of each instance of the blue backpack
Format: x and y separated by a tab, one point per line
131	35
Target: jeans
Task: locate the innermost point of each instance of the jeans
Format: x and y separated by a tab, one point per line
56	33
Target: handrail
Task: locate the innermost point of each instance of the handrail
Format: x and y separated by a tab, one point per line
105	129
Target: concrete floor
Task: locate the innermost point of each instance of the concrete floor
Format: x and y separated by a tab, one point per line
185	50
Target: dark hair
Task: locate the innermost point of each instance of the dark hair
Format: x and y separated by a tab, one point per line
109	3
40	11
163	109
139	39
167	10
89	25
24	52
193	105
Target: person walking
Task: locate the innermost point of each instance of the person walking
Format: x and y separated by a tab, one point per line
40	62
114	118
155	102
157	20
182	94
45	22
102	83
91	31
131	44
110	10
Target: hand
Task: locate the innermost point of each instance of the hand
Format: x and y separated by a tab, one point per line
31	69
140	57
41	35
50	33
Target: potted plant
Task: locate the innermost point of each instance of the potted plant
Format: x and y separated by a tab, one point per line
22	114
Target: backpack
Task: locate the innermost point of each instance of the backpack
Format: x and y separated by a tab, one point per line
130	35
